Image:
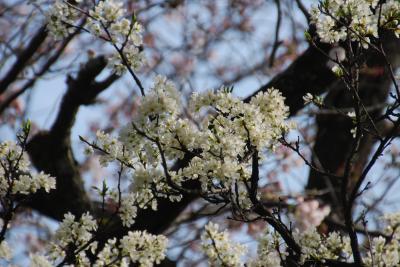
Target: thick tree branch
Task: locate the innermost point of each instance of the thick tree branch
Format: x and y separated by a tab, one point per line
23	58
30	83
51	151
307	74
333	141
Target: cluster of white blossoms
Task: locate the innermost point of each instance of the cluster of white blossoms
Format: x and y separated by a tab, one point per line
5	251
17	180
60	18
392	221
144	248
219	149
315	246
379	252
73	235
106	19
15	173
385	252
267	251
336	20
143	199
272	250
219	248
136	247
39	261
317	100
71	238
74	238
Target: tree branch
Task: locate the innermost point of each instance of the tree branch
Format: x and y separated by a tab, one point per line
23	58
51	151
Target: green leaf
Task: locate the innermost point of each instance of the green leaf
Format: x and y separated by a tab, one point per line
307	35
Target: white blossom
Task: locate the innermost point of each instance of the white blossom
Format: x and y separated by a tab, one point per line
144	248
105	19
15	175
60	19
5	251
219	249
392	221
39	261
308	98
351	114
267	254
382	253
358	20
221	144
73	232
315	246
336	55
109	254
128	210
111	147
337	70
